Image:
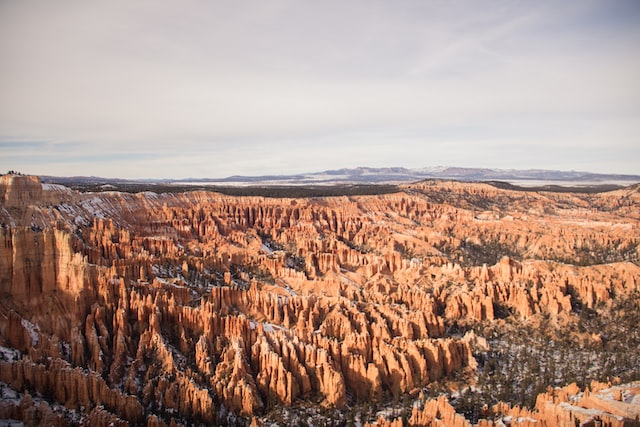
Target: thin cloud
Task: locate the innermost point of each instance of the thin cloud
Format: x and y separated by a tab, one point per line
242	89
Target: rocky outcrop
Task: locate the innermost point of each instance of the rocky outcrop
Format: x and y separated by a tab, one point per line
71	387
614	406
19	191
604	404
179	307
30	412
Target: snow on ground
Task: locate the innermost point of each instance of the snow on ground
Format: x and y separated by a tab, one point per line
56	187
99	207
632	399
577	409
33	330
171	283
9	354
268	327
286	287
9	394
72	211
93	206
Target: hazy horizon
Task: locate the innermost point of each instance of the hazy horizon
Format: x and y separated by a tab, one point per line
171	89
518	176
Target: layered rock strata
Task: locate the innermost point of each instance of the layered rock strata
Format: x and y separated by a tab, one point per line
166	308
600	405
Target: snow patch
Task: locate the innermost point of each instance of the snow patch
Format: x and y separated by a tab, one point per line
569	407
33	331
81	221
8	394
56	187
9	354
632	399
267	327
171	283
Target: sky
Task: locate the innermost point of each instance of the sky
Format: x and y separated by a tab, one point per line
177	89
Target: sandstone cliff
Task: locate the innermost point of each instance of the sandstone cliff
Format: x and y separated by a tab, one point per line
169	307
603	405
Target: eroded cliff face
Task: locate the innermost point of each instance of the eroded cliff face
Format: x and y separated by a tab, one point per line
598	405
180	308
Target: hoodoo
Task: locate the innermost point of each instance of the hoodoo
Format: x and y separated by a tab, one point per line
183	308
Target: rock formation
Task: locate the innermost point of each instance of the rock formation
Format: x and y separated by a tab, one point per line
175	308
603	405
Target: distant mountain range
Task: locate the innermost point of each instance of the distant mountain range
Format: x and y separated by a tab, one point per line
392	175
395	175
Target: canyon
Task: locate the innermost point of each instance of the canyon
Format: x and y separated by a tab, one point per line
395	309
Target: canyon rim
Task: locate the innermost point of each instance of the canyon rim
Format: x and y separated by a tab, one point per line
441	303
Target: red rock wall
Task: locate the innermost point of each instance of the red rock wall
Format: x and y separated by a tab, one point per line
174	304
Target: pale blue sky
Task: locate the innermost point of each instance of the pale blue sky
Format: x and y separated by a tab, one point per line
172	89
